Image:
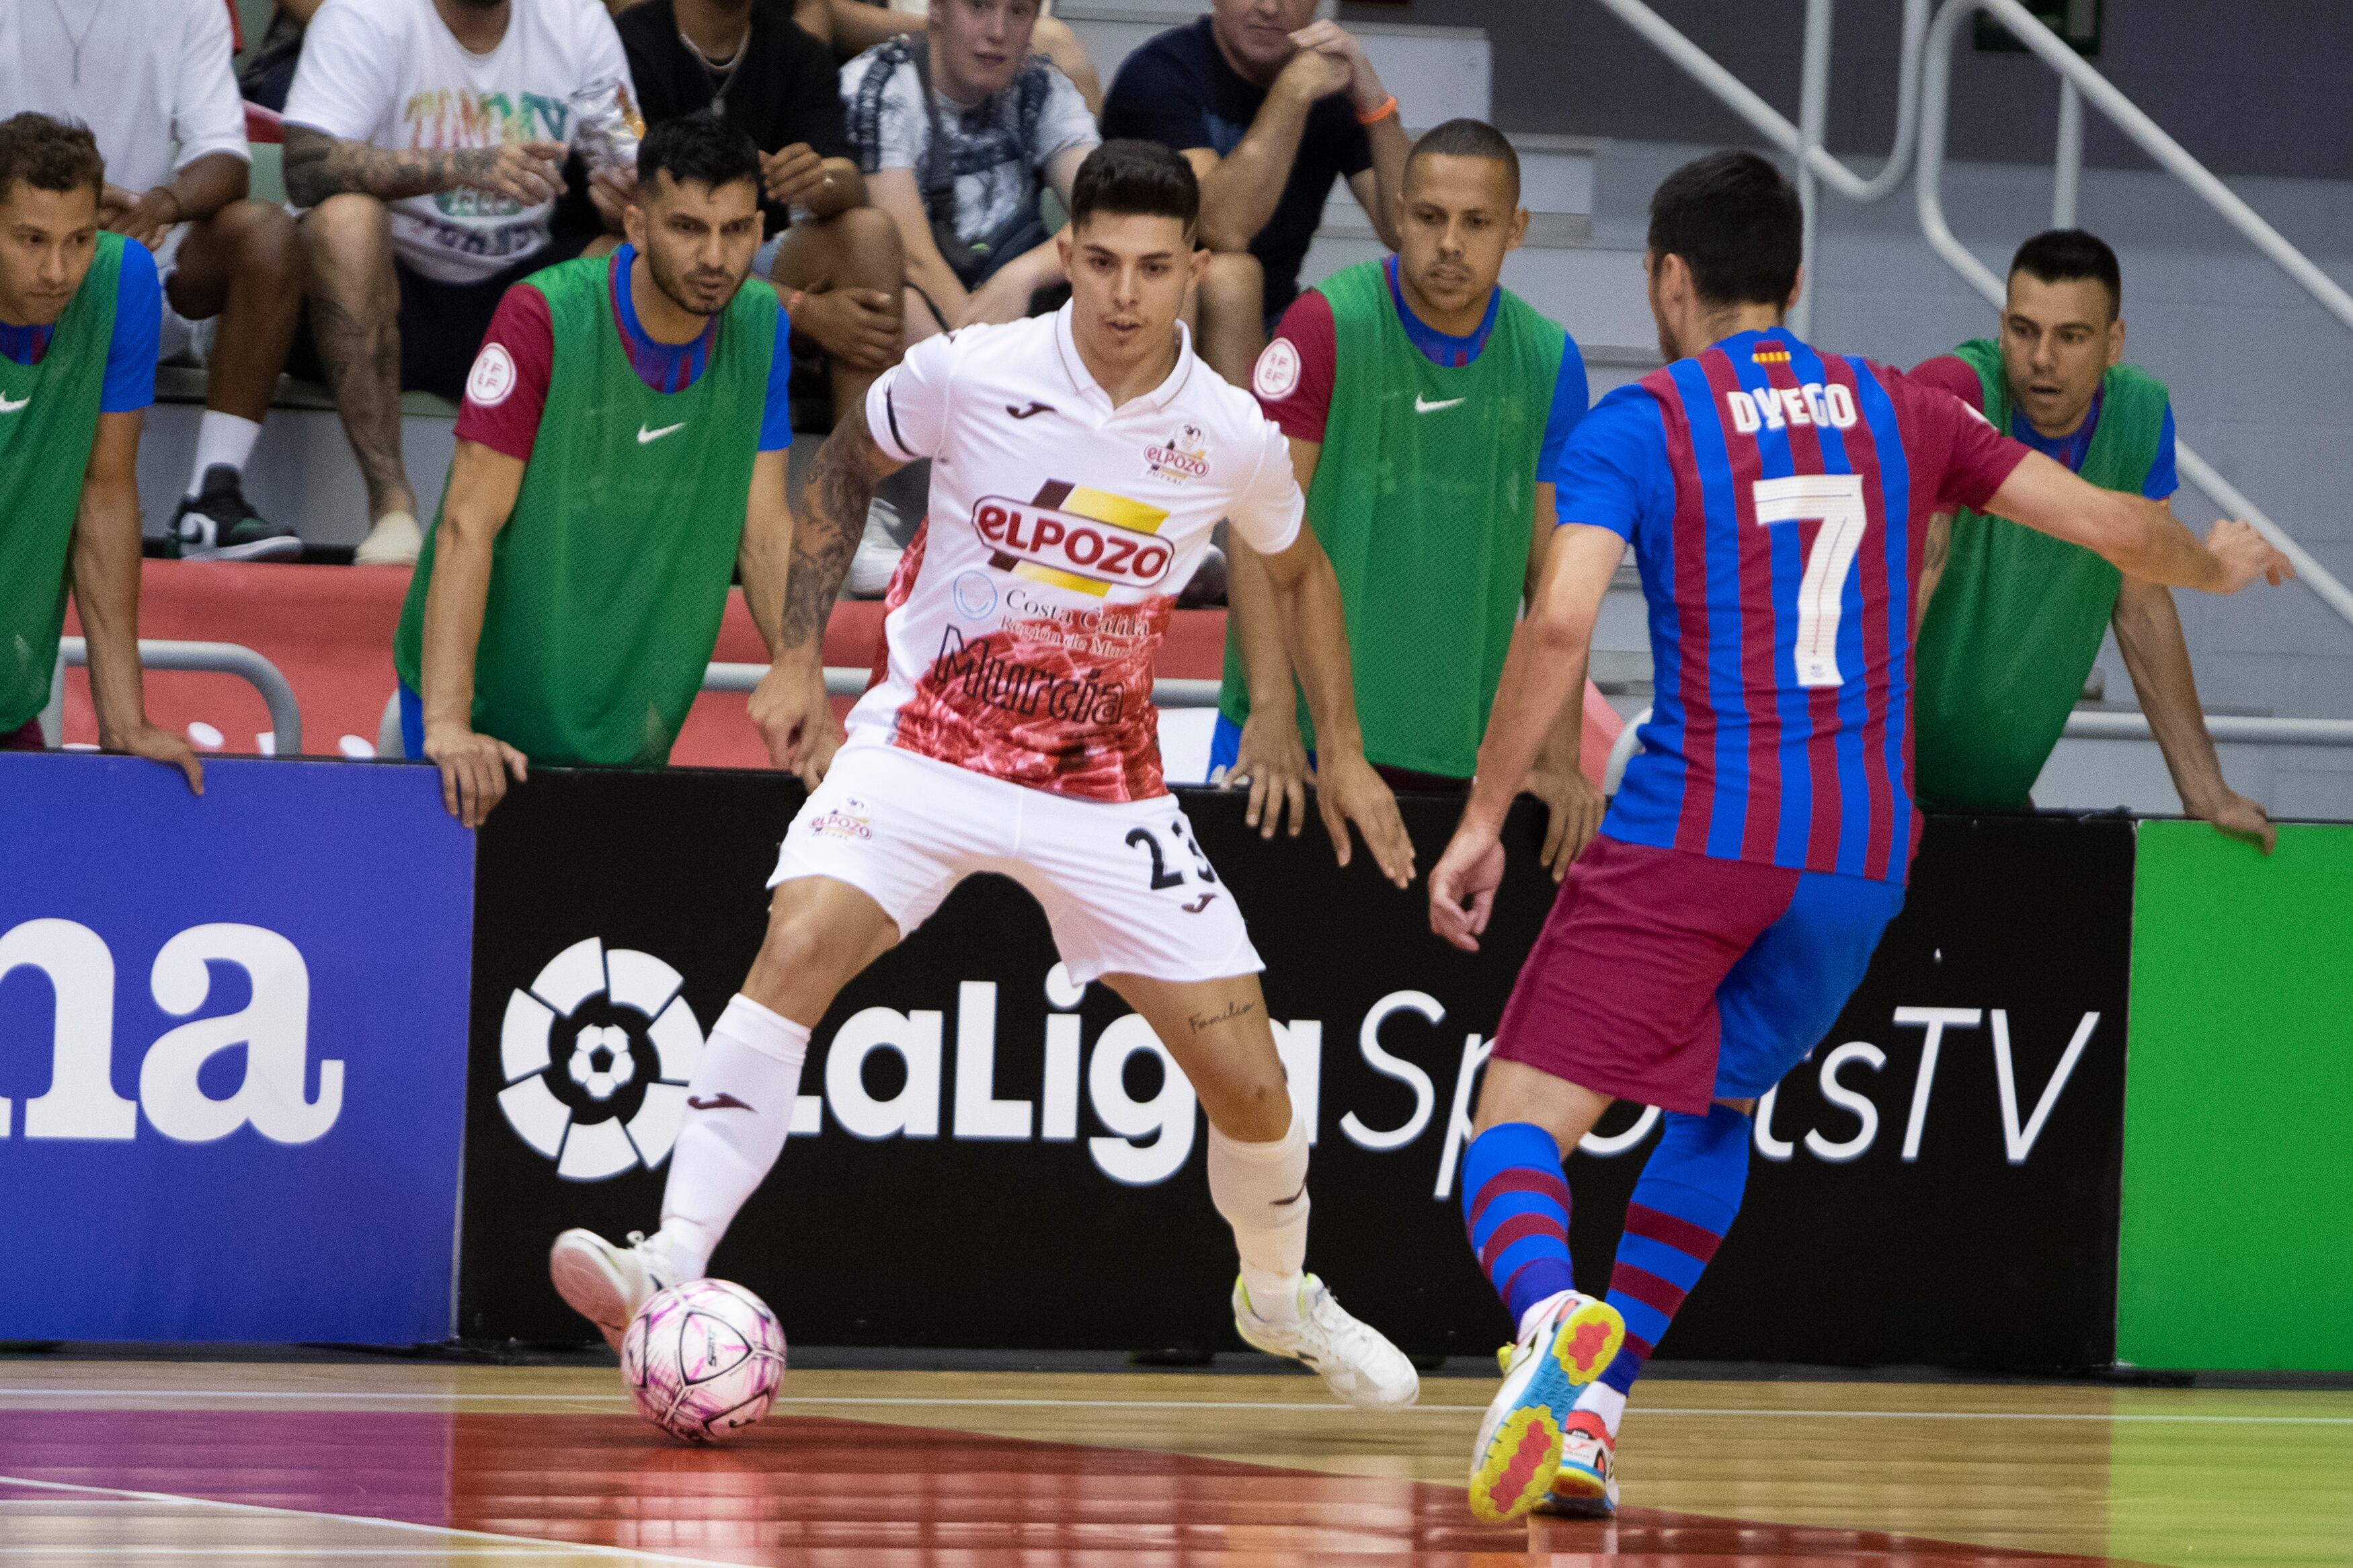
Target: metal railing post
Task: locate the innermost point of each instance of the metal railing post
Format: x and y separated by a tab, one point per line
2067	170
1813	111
206	657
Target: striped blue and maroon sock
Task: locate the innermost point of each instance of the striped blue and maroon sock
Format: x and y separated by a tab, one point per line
1682	1205
1516	1207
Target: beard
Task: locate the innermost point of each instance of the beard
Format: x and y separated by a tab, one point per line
679	288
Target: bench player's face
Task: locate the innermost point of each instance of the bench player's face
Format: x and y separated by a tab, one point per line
698	241
1128	275
2057	342
48	240
1460	216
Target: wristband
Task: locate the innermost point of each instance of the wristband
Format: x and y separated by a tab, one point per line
1388	107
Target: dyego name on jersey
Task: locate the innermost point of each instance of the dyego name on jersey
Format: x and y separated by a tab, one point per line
1778	408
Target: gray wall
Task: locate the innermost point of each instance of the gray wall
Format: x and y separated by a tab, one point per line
2253	86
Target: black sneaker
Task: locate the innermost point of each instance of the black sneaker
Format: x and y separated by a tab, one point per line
216	524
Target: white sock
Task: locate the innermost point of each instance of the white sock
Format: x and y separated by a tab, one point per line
1605	1402
222	439
1261	1190
751	1067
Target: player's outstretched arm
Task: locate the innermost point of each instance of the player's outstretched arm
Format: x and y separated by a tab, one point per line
1544	669
1307	606
790	705
105	570
2139	537
483	484
1271	757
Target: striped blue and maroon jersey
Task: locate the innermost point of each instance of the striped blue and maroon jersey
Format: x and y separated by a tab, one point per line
1778	500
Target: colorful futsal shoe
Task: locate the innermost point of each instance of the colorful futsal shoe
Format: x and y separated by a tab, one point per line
1356	1363
1567	1341
1585	1486
606	1284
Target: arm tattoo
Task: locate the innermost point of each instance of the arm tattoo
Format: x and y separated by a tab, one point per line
841	487
319	165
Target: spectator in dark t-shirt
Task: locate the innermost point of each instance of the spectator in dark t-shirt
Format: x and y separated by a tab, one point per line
836	260
1269	112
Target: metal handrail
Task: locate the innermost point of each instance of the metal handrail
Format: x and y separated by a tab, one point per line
2224	726
210	658
1936	91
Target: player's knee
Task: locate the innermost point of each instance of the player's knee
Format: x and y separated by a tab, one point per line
348	228
876	256
266	240
1234	283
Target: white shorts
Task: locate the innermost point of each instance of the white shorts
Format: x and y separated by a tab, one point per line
1125	884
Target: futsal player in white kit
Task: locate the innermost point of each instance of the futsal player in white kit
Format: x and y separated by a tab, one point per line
1080	462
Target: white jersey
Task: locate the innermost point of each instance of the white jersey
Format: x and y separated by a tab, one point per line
1022	623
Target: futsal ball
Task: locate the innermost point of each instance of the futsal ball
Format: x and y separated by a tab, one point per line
702	1360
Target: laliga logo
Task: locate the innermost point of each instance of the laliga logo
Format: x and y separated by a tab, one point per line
1065	541
596	1053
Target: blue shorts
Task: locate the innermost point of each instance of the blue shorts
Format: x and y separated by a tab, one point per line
412	724
1676	979
1225	745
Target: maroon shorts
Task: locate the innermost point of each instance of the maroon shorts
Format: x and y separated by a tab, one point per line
1675	979
27	738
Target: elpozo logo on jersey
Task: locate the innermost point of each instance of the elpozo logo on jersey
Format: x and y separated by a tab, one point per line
1085	540
595	1054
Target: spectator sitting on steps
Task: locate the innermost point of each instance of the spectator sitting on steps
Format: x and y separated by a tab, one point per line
836	261
428	139
152	79
79	311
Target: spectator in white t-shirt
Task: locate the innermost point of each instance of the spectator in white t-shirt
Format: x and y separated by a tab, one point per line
969	210
428	139
152	81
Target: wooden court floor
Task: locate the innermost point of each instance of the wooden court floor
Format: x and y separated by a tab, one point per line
364	1462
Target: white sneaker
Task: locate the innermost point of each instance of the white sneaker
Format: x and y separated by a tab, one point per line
1569	1341
606	1284
1356	1363
393	541
877	561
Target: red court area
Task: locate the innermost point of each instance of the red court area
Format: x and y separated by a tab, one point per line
814	1492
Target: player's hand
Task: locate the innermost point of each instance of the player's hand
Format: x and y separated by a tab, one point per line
1272	761
1572	814
859	327
146	217
794	717
612	192
1462	884
525	172
1336	43
1347	790
2236	816
1315	73
158	745
792	174
2245	555
474	769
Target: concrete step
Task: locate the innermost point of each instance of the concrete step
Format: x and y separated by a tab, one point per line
1437	73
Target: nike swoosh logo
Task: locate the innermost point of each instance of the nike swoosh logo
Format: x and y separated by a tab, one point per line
1422	405
1197	905
1286	1203
645	435
8	407
1033	408
715	1101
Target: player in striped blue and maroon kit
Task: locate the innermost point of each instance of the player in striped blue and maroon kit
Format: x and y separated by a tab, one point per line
1780	501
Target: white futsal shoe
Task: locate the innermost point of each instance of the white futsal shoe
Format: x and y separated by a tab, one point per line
1356	1363
1569	1339
606	1284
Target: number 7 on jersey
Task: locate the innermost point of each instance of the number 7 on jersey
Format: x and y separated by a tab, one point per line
1835	500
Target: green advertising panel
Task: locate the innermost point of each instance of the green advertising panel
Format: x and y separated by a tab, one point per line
2237	1245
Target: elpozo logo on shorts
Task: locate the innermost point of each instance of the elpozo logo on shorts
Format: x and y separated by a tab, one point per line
1087	540
595	1054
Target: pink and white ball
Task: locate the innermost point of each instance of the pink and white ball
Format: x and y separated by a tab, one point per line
702	1360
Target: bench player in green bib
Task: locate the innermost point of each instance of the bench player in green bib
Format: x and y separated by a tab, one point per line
78	316
620	452
1425	407
2017	616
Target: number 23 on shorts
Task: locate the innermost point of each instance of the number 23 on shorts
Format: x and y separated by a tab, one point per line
1835	500
1144	838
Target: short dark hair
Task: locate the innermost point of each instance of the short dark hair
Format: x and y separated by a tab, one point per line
1469	139
2065	255
1137	178
1737	224
698	147
49	156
